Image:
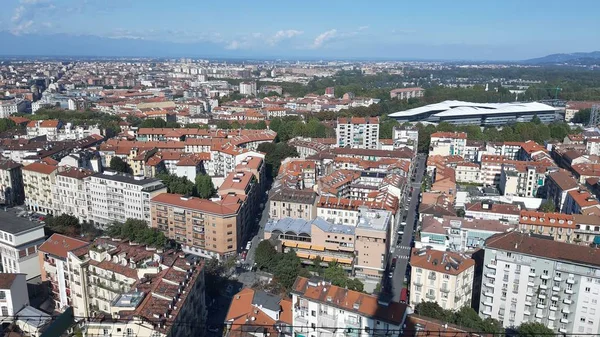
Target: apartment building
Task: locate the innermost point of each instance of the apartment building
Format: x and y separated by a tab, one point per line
116	196
38	179
581	201
583	171
445	278
467	172
69	193
558	185
347	211
19	243
406	93
292	203
136	290
44	128
322	308
506	213
587	229
458	234
12	191
508	150
55	130
531	279
560	227
519	179
13	295
250	308
357	132
360	248
52	259
405	137
248	88
448	143
202	227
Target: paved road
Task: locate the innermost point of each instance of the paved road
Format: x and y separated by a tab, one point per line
260	234
402	250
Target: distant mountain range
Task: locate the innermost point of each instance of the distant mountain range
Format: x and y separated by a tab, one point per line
573	58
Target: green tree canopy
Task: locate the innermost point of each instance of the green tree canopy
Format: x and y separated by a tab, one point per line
530	329
119	165
275	154
6	124
176	184
204	186
138	231
582	116
548	206
264	255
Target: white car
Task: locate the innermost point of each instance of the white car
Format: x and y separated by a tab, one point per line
403	223
248	245
400	232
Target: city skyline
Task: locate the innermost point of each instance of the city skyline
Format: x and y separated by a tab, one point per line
432	31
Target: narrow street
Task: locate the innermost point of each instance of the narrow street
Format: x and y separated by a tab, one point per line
402	251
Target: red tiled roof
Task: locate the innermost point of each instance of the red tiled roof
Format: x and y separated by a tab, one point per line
59	245
40	168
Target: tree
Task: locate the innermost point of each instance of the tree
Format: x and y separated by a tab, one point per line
264	255
336	275
177	184
65	224
534	329
548	206
138	231
6	124
433	310
153	123
582	116
460	212
287	268
536	120
204	186
117	164
275	154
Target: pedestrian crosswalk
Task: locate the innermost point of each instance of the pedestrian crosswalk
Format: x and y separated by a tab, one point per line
403	247
403	257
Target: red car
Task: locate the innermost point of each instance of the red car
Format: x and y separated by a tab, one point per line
244	253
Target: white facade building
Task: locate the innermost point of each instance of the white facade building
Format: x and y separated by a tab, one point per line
13	295
70	194
248	88
320	308
357	132
19	242
531	279
117	197
442	277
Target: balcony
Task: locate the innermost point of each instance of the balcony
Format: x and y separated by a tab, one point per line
556	289
418	282
352	323
490	275
542	296
301	319
489	285
557	279
531	274
564	320
552	318
488	303
570	281
491	265
567	301
562	330
566	310
528	302
553	308
530	284
526	312
540	306
445	290
539	315
545	277
430	296
487	311
488	294
543	287
569	291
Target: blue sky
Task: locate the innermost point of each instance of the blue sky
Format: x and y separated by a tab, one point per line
430	29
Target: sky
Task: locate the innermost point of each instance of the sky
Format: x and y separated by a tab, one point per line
426	29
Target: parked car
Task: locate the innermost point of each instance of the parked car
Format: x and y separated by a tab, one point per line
249	245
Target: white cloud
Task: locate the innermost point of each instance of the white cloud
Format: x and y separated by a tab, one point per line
363	28
324	37
18	15
23	28
283	35
233	45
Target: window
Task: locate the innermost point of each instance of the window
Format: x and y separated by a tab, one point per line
446	277
313	313
2	295
587	289
129	332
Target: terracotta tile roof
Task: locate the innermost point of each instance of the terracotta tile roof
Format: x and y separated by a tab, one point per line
547	219
59	245
531	245
530	147
7	279
563	180
7	164
583	198
52	123
40	168
439	261
367	305
77	173
587	169
203	205
493	208
421	326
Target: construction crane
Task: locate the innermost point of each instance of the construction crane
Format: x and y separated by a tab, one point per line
556	90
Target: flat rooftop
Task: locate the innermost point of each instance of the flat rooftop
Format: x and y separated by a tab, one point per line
11	223
375	219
